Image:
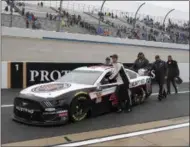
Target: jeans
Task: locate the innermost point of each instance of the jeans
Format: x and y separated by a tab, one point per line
169	81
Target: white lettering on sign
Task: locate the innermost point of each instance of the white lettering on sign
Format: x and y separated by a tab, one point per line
17	67
45	75
55	72
33	74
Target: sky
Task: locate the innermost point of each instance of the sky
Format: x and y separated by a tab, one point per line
178	5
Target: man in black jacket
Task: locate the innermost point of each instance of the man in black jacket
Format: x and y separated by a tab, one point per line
140	62
122	78
173	72
160	68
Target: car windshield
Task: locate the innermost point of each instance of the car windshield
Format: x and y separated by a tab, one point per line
81	77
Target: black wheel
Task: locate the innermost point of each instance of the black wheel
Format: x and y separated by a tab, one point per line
79	108
133	99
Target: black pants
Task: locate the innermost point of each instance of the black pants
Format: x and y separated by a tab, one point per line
123	95
171	80
161	81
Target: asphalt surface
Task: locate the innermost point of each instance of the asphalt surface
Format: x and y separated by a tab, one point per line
174	106
64	51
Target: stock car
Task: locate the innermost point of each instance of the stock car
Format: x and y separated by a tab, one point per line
83	92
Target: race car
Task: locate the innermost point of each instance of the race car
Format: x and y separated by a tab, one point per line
83	92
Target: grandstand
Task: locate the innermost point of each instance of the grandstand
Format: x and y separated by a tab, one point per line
40	16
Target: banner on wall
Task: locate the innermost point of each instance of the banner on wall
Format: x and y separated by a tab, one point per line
22	75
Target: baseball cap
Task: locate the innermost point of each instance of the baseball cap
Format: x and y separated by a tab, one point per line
157	56
140	53
107	58
114	56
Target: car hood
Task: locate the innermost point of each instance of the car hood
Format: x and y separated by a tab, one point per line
52	89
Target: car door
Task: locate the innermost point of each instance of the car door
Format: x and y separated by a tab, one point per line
133	76
105	94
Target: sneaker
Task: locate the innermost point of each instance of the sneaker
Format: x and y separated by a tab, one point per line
160	98
164	95
119	110
129	110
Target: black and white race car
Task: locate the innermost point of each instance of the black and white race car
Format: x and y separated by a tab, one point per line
82	92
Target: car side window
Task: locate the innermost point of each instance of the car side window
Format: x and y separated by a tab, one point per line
105	80
131	74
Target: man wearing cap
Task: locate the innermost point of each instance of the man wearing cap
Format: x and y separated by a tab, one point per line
122	78
160	68
140	62
108	61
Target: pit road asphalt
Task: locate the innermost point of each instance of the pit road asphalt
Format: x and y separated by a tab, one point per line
174	106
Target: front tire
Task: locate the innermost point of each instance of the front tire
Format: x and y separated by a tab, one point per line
79	108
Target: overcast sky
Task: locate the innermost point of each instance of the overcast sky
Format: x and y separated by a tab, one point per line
154	8
178	5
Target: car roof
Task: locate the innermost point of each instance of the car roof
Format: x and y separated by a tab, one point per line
101	68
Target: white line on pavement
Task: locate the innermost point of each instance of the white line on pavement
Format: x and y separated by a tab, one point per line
153	94
122	136
172	92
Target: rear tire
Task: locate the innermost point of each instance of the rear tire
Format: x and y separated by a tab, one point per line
79	108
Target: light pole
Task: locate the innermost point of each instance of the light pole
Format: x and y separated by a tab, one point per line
11	22
100	13
166	17
136	14
60	12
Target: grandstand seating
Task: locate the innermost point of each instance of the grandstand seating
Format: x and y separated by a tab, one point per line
122	26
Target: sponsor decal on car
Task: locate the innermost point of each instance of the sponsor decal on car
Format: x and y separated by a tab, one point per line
93	95
63	113
60	113
24	110
51	87
99	97
113	98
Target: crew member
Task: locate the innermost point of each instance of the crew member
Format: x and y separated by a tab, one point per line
140	62
123	81
108	61
173	72
160	68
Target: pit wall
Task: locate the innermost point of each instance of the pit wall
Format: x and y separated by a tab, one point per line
42	34
24	74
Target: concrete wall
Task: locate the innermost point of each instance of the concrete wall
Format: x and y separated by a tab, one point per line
19	32
38	50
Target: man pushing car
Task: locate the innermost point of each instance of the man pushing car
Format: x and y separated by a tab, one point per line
122	78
